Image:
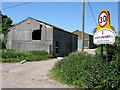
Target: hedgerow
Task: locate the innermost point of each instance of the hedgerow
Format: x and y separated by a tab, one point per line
86	71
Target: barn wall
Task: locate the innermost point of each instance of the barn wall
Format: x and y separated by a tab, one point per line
20	36
88	40
91	44
86	43
67	42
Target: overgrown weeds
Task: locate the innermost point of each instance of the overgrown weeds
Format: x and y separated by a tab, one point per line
9	55
87	71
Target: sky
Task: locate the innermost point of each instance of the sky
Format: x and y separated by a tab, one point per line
66	15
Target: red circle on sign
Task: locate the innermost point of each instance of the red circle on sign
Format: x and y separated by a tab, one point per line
106	18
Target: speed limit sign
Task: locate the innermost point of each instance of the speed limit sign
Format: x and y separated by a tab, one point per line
104	33
103	18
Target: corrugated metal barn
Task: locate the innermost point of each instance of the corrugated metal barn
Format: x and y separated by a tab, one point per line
32	34
88	40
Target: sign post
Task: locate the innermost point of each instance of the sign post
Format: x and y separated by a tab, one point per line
107	52
101	52
104	33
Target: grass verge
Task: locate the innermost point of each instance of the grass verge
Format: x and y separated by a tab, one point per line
9	55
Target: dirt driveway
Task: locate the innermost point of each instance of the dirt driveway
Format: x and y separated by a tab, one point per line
29	75
89	51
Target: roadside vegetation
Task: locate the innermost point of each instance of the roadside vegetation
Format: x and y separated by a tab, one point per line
82	70
9	55
5	24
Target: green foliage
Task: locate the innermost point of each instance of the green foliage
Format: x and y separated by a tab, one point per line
114	50
98	51
0	22
0	27
18	55
86	71
5	24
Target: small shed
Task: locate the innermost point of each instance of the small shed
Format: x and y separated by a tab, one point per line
32	34
88	40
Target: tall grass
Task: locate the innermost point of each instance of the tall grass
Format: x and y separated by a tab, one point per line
9	55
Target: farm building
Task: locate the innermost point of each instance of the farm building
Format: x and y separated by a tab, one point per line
32	34
88	40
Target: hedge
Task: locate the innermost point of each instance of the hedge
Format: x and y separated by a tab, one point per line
86	71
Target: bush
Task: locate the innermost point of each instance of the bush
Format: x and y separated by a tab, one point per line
9	55
86	71
113	52
99	49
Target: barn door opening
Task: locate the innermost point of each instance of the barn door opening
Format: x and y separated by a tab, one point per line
56	47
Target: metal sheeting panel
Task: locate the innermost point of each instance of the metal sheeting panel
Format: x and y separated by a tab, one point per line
86	44
20	36
67	42
20	45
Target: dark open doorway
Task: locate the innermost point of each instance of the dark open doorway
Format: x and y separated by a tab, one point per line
36	34
56	47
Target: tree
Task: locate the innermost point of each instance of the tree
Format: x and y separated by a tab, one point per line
94	30
0	22
6	24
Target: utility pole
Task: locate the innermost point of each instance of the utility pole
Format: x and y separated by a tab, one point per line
83	9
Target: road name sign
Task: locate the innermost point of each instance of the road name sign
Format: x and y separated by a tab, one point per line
104	33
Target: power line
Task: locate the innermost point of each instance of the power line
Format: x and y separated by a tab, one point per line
16	5
92	12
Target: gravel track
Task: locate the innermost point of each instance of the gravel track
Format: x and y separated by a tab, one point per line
29	75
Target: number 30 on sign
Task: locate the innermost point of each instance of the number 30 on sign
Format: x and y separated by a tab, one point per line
104	33
103	19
